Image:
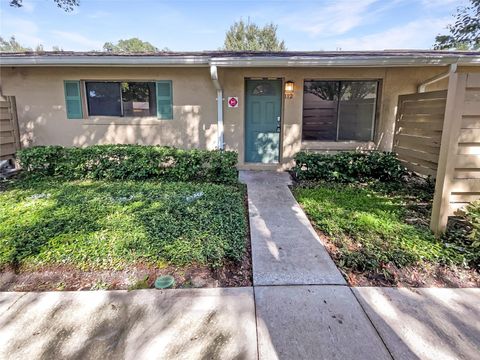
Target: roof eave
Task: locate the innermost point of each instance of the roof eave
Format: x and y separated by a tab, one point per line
252	61
344	61
136	61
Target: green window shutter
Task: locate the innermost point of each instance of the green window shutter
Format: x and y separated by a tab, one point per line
164	100
73	99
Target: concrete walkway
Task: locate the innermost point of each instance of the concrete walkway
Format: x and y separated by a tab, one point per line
299	308
285	248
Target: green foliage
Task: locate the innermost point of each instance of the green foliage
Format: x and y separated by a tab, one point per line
139	284
111	224
66	5
245	36
348	167
133	45
369	228
464	235
12	45
131	162
464	33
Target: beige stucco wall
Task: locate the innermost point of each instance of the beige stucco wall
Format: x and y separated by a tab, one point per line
42	116
41	106
394	82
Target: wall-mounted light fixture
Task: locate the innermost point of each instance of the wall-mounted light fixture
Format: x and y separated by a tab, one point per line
289	89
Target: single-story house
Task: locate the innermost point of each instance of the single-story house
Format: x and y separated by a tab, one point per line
266	105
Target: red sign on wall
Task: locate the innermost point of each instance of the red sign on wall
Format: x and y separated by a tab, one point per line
232	101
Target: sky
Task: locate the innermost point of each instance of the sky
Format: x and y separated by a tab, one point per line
185	25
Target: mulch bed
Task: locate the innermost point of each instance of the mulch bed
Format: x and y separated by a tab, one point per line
426	275
232	274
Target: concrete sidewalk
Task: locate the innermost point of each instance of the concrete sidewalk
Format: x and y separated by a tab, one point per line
293	322
142	324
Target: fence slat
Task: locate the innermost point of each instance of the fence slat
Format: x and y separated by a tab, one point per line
419	169
469	136
473	80
471	108
464	198
465	186
467	161
7	140
415	154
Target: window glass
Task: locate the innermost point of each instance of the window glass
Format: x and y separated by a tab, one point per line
320	105
139	99
356	110
264	89
132	99
339	110
104	98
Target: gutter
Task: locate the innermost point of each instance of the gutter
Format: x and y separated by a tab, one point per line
345	61
240	61
218	87
92	60
423	86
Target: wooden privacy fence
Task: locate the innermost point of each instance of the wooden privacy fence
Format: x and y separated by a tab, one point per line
9	132
458	174
418	130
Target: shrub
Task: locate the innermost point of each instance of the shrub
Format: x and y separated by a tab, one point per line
464	233
130	162
348	166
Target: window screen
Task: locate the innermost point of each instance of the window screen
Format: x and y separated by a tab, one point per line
339	110
104	98
132	99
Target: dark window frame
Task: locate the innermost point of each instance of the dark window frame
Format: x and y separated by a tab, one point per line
376	112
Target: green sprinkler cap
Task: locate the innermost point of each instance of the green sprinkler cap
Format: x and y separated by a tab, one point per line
164	282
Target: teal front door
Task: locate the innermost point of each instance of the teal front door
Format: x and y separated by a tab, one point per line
262	120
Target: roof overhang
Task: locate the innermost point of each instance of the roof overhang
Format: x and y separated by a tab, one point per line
239	61
374	61
92	60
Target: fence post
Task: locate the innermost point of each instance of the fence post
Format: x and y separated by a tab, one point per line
448	151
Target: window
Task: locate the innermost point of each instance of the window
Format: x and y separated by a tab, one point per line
264	89
129	99
339	110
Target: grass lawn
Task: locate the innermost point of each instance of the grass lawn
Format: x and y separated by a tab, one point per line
95	225
378	229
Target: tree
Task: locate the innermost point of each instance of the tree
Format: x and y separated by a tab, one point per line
247	36
464	32
66	5
12	45
133	45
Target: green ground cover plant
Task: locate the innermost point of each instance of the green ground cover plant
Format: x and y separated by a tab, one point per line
375	215
367	224
106	224
464	233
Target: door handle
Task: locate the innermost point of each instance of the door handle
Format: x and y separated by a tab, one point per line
278	128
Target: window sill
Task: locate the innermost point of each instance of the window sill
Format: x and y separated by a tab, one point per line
109	120
338	145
